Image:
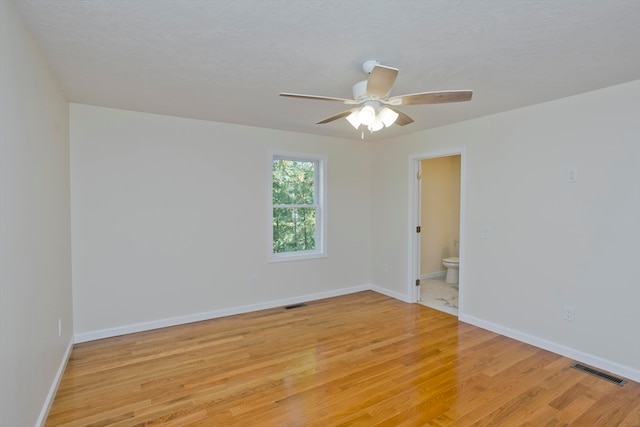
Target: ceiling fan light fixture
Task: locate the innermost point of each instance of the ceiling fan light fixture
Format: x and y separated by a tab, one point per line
371	106
367	115
388	116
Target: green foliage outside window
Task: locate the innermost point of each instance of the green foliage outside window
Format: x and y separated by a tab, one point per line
294	205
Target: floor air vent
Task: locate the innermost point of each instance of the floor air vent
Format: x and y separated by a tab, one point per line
604	376
289	307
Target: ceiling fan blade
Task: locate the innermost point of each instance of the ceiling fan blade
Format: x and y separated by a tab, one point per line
380	81
432	97
319	98
336	117
402	119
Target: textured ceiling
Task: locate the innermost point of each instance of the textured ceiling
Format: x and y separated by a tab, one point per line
227	60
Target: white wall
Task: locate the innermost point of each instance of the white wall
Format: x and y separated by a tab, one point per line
35	253
552	243
170	219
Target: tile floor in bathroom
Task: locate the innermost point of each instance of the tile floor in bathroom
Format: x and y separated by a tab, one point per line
438	294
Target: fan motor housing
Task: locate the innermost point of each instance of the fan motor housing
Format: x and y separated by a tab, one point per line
360	90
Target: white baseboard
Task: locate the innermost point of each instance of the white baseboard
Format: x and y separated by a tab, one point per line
54	386
616	368
180	320
392	294
434	275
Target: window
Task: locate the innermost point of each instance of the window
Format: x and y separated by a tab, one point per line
297	199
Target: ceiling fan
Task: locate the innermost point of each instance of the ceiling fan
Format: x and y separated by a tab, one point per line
374	108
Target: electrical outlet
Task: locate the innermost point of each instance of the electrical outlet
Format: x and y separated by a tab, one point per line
486	232
572	175
385	268
253	280
568	313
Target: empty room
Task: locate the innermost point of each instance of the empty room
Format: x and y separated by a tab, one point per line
319	213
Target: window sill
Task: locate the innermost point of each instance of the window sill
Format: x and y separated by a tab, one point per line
292	256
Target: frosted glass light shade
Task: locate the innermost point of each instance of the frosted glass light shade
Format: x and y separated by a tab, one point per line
388	116
354	119
376	125
367	115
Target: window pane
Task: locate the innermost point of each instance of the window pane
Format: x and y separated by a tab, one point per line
293	182
294	229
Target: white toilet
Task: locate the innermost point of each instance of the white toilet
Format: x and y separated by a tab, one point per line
453	265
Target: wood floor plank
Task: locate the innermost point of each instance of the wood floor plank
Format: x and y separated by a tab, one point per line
357	360
633	418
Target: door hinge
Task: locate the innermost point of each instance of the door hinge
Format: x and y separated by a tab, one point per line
417	229
417	282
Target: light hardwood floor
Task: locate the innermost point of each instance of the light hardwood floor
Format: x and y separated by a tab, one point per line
357	360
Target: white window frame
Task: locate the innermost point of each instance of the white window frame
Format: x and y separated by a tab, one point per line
320	202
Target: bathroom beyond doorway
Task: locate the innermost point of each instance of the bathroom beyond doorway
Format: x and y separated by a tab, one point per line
438	294
440	190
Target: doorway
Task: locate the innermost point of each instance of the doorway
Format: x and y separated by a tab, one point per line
438	210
